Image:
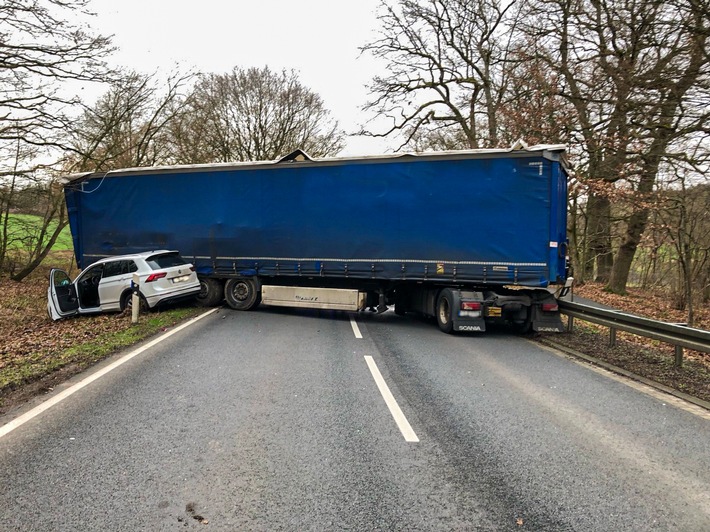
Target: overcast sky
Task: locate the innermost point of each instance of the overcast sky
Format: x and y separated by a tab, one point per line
319	39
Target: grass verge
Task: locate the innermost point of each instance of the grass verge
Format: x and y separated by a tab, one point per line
38	370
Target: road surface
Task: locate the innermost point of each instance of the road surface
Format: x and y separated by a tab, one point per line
281	420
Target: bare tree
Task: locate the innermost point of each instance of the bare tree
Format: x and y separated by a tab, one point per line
34	239
622	81
636	75
447	69
39	49
43	46
128	126
252	114
680	215
533	108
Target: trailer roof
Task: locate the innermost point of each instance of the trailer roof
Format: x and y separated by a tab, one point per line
550	151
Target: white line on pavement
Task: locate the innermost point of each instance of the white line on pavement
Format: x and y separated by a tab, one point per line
399	418
49	403
356	329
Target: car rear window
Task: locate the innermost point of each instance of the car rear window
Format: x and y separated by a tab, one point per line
166	260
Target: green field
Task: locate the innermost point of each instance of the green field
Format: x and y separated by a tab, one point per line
24	228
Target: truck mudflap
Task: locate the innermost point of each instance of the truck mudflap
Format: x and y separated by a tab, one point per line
546	321
469	325
466	311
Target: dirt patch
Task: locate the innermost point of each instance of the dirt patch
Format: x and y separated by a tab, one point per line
13	397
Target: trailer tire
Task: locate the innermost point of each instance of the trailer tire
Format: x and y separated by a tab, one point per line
241	294
211	292
444	311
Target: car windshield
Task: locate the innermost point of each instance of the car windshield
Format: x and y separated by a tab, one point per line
166	260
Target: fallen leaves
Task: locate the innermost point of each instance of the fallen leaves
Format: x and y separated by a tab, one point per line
655	306
33	347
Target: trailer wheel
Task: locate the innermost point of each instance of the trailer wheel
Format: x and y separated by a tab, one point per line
211	292
241	294
444	311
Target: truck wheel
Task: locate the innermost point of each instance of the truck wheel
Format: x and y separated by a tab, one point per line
211	292
241	294
444	311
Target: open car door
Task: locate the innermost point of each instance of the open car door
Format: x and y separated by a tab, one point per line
61	295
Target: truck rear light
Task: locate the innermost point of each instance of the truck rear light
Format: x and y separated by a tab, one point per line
470	309
155	276
550	307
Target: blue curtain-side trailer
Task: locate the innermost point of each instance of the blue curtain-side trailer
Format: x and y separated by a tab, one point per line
471	237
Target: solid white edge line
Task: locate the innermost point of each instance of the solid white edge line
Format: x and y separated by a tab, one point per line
404	427
356	329
49	403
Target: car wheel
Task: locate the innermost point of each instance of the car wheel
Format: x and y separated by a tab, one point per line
127	302
241	294
444	307
211	292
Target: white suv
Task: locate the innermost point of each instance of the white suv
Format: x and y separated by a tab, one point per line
164	276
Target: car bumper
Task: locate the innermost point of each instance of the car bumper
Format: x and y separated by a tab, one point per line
187	293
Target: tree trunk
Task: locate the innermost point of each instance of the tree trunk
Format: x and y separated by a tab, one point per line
639	219
576	237
34	263
42	249
599	236
627	251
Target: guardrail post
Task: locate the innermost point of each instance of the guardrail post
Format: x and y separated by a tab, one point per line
570	323
612	337
678	356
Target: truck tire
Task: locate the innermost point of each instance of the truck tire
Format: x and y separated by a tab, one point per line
444	311
241	294
211	292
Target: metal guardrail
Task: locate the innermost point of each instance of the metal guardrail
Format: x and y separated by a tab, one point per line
679	336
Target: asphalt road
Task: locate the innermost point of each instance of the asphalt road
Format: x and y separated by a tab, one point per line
273	420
